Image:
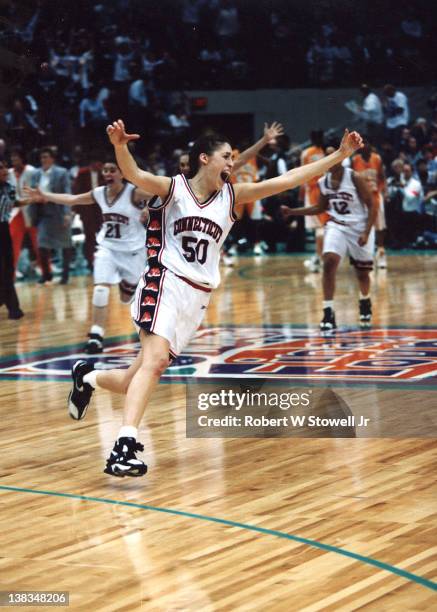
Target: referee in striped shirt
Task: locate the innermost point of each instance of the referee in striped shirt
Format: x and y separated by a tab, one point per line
8	295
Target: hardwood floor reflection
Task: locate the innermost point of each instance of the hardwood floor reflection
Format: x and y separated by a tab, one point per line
372	497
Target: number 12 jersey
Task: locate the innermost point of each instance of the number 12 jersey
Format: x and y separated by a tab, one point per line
345	205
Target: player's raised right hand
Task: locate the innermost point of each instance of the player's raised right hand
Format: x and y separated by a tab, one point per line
34	195
117	133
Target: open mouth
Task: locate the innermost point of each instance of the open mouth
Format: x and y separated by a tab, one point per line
225	176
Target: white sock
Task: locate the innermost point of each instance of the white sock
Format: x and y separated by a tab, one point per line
127	431
91	378
364	297
96	329
328	304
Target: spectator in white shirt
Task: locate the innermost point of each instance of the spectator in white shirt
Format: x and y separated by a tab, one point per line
138	102
137	95
227	23
413	191
123	60
397	113
371	112
178	119
411	217
150	63
92	113
20	175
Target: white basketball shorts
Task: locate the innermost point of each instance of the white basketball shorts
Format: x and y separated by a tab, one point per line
343	240
169	306
114	267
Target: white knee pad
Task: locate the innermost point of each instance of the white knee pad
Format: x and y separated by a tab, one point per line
100	296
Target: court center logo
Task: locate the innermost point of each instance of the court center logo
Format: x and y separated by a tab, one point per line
374	356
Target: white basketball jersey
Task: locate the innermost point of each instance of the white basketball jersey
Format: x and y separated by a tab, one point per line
122	229
186	236
344	205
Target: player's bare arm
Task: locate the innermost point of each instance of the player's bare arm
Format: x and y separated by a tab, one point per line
38	196
248	192
139	195
382	179
430	195
148	182
142	197
20	203
368	200
317	209
271	133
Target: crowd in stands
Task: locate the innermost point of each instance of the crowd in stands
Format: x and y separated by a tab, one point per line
74	64
408	151
87	65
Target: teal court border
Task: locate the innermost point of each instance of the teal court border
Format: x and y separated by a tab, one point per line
380	565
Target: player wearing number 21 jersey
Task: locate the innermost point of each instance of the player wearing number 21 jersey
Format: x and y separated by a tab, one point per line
121	254
123	220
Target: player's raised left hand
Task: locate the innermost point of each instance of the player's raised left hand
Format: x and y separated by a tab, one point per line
117	133
350	143
271	132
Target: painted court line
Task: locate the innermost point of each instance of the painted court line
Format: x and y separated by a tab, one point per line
279	534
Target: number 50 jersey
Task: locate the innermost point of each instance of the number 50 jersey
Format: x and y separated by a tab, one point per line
185	235
122	229
345	205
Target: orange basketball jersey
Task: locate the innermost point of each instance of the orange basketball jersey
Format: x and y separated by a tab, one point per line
311	188
371	170
248	173
309	155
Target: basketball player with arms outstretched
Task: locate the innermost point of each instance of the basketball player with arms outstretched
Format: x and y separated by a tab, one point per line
121	254
352	210
187	228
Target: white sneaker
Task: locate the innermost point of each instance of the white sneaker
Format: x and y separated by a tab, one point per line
312	265
381	261
19	275
257	250
227	260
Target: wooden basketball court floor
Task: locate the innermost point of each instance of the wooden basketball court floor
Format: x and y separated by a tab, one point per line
277	524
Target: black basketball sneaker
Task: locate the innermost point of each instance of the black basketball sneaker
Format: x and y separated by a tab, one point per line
94	344
328	324
80	396
123	461
365	313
